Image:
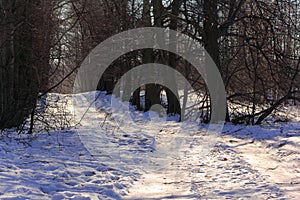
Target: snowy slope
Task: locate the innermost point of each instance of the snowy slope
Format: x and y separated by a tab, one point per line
110	157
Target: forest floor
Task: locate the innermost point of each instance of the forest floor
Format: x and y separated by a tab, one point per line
101	159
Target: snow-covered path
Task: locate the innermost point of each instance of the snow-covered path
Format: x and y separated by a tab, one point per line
274	152
223	174
100	161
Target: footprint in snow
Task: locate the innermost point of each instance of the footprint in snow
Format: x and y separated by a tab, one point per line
89	173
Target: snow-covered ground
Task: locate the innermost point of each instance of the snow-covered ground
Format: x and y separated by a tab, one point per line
109	157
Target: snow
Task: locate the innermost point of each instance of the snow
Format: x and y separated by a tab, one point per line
273	151
130	155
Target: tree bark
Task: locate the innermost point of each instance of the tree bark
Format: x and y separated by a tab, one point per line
211	36
152	93
173	102
20	76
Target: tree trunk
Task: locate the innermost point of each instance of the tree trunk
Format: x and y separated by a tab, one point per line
173	102
20	77
211	36
152	93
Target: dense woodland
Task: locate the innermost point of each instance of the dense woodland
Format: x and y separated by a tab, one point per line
254	43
